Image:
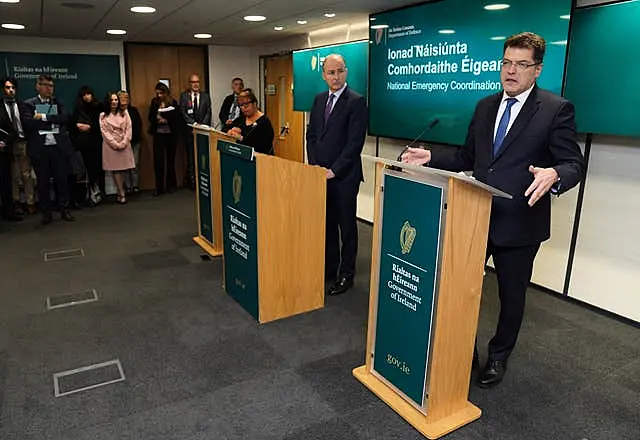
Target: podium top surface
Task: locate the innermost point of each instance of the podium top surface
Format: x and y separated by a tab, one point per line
428	171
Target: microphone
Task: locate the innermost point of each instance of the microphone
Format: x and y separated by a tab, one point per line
427	128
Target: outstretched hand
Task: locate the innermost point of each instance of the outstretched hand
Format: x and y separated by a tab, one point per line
543	180
416	156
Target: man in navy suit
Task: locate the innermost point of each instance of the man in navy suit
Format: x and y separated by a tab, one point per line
335	137
49	146
522	141
195	107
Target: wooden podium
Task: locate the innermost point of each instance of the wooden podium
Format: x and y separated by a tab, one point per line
274	232
430	237
208	196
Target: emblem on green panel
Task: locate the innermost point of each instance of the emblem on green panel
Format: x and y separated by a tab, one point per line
407	237
203	162
237	186
314	62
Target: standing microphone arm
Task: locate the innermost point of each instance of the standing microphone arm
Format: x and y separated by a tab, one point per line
429	127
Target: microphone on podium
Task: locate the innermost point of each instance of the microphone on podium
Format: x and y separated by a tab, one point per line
432	124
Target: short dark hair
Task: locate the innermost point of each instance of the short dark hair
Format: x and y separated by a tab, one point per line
249	94
237	78
11	79
528	40
162	87
45	77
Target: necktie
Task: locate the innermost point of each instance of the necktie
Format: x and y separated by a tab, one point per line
502	126
195	102
15	120
327	109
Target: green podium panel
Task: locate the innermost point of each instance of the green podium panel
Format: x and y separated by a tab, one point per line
203	161
239	224
409	251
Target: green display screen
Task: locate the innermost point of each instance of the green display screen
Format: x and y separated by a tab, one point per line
435	61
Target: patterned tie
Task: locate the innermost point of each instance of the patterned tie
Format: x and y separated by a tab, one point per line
502	126
327	109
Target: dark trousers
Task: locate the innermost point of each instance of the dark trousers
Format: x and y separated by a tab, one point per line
164	161
51	163
342	228
513	266
6	193
190	155
92	157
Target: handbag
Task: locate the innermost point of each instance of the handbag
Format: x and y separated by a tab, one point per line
94	196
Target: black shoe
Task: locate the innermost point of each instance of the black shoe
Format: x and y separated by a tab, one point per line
66	216
341	286
46	218
492	374
11	217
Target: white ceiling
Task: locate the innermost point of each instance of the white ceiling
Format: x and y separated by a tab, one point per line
175	21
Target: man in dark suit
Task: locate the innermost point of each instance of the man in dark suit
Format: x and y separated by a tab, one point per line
49	146
195	107
11	133
229	110
335	137
522	141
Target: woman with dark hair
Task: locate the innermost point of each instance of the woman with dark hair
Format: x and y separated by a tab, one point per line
252	127
117	155
84	130
164	126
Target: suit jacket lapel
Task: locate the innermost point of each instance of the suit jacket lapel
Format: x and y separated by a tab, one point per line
529	109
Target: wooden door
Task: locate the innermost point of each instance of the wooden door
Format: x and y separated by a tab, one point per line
146	64
288	124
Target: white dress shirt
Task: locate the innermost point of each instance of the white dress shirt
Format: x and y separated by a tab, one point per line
515	108
337	94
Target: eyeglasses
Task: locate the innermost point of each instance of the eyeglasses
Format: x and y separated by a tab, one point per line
245	104
46	84
335	72
194	82
520	65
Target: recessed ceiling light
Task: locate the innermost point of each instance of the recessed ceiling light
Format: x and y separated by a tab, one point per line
9	1
202	36
499	38
143	9
446	31
565	17
560	43
13	26
372	18
379	26
255	18
278	28
302	22
329	15
116	31
497	7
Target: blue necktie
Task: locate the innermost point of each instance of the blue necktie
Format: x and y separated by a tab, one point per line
502	126
328	108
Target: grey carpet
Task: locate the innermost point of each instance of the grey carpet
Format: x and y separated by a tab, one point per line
198	367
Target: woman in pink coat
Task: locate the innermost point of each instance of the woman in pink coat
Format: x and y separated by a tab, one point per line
117	155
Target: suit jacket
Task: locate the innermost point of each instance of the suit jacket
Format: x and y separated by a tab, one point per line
338	143
36	141
543	135
6	124
202	115
225	108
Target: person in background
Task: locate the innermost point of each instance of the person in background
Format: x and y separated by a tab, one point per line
164	125
12	140
335	138
132	178
253	128
229	110
84	128
49	146
195	107
522	141
117	155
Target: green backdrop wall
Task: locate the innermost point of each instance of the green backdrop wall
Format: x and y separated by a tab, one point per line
69	71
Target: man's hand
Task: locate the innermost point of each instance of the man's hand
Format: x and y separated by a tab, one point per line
37	116
83	127
416	156
543	180
330	174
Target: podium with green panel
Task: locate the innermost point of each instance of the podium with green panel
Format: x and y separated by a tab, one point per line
429	243
208	206
273	220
